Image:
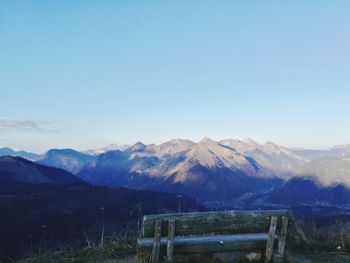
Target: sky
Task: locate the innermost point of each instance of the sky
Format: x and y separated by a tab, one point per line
84	74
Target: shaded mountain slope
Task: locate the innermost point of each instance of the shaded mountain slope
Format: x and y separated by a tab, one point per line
68	159
17	169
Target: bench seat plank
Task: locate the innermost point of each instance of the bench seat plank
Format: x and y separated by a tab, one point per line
212	243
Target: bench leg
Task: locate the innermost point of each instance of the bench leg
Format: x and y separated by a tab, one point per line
156	241
283	236
170	243
271	239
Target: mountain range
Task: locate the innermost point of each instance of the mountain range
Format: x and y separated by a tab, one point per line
208	169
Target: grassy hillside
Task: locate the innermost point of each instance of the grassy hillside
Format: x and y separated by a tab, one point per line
47	217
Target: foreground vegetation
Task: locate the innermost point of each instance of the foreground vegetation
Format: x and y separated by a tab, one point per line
112	250
310	244
39	218
125	251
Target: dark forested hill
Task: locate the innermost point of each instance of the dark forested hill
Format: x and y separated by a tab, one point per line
17	169
37	216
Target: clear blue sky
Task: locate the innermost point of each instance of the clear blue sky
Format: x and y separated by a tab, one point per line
84	74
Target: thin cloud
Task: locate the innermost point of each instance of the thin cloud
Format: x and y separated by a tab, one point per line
27	125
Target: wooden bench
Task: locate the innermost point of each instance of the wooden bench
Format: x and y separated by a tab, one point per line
211	232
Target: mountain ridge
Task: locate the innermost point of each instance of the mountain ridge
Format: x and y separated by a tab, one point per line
17	169
199	169
180	165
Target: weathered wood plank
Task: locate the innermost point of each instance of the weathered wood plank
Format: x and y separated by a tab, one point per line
156	241
211	244
271	239
277	258
222	222
170	241
283	236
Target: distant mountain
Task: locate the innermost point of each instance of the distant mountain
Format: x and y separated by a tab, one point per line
113	169
111	147
27	155
213	171
325	180
273	157
207	169
337	151
16	169
7	151
67	159
140	166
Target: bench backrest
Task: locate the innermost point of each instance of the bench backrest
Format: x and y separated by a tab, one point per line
223	222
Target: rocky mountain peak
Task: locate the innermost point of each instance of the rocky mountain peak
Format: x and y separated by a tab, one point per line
137	147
